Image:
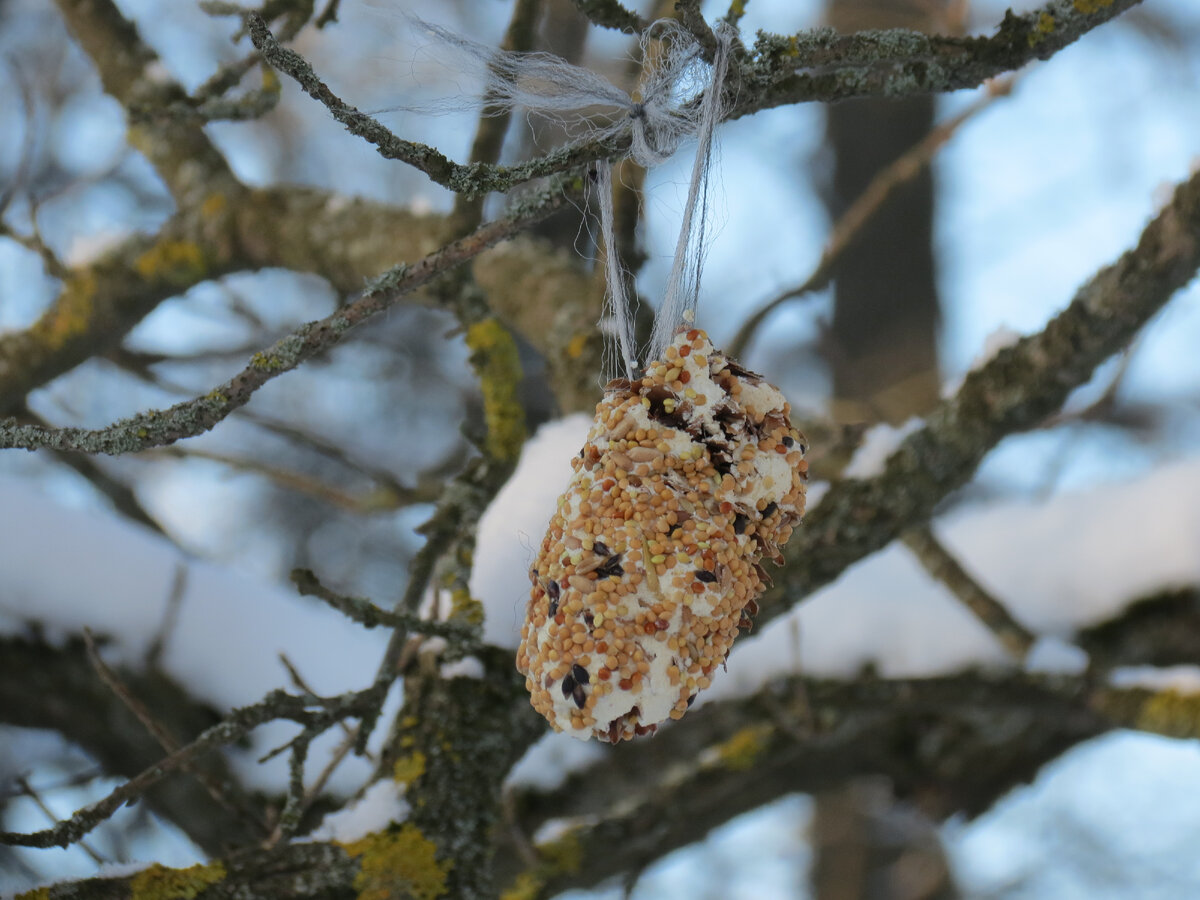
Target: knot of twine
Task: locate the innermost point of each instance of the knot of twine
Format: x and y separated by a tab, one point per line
681	97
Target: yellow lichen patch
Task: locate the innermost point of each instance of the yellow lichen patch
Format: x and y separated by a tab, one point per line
742	750
564	854
1090	6
465	608
576	346
214	204
525	887
1045	25
71	314
401	863
409	768
36	894
173	262
267	362
1170	713
160	883
494	356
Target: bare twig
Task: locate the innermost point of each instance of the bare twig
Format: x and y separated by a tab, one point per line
367	614
28	791
902	170
494	120
166	627
938	561
159	731
382	498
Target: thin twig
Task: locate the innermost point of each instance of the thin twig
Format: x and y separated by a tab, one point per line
170	616
939	563
367	614
157	729
381	499
494	120
902	170
28	791
160	732
468	180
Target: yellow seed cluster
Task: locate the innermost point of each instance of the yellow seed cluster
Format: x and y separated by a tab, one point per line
689	477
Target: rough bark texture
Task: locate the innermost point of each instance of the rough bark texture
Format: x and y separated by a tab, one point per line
949	745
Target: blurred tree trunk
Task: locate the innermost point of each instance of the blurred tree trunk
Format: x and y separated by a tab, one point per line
883	357
883	342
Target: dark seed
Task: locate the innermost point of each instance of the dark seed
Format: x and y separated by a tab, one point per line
579	696
553	589
706	576
554	607
787	441
580	674
600	548
691	699
739	524
568	686
611	566
769	509
590	620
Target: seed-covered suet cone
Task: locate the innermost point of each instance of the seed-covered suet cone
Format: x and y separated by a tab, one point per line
651	564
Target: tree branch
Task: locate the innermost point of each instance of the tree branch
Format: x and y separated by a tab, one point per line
955	744
88	714
158	428
1019	388
825	66
308	711
180	150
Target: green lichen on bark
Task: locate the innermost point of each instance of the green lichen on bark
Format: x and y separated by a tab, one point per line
495	360
399	864
158	882
470	731
742	749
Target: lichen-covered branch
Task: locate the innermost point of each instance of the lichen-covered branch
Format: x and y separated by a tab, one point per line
823	65
367	614
158	428
1017	390
953	744
470	179
452	748
611	14
819	65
